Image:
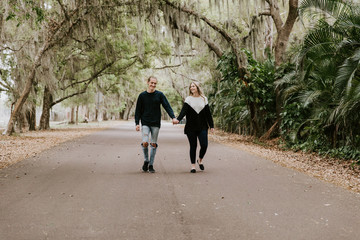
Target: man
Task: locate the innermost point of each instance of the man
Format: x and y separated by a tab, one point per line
149	113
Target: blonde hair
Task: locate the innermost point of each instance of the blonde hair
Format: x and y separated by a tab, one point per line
197	84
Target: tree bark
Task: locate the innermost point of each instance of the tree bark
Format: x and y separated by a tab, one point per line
72	116
105	116
31	118
47	104
283	29
130	105
253	120
77	115
96	114
122	114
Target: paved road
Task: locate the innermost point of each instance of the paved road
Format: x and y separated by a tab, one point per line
93	188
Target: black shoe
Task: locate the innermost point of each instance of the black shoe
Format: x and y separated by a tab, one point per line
145	166
193	170
151	169
201	166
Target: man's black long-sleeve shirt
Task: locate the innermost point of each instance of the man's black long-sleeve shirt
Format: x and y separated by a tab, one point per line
148	108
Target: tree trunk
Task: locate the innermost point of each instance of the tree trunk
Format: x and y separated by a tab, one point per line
72	115
77	115
253	120
31	118
284	32
130	105
96	114
105	117
20	121
45	116
122	114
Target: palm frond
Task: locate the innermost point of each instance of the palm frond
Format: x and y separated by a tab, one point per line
334	8
309	97
346	73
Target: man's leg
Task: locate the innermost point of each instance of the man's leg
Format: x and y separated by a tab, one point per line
153	146
145	131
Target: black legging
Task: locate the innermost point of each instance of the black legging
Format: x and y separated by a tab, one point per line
203	139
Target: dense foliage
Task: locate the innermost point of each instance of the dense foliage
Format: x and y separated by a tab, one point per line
322	95
245	106
319	87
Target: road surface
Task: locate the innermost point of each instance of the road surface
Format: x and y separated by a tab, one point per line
92	188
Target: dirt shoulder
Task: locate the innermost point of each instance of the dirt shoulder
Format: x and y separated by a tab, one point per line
340	172
24	145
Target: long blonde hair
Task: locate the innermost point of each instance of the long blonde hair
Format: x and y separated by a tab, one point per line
197	84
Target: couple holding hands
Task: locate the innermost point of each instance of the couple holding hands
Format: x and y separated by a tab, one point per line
198	121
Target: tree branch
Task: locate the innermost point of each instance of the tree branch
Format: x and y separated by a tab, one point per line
275	13
240	58
63	9
216	49
89	80
163	67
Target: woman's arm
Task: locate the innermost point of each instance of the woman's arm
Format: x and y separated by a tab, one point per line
183	112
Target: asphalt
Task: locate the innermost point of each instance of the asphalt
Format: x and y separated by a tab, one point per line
93	188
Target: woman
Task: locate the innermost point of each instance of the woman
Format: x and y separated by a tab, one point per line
198	120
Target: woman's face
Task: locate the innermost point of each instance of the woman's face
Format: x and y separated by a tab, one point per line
193	88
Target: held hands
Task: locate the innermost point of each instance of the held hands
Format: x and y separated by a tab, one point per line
212	130
175	121
137	127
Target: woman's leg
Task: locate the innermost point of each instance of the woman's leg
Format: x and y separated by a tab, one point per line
193	144
203	139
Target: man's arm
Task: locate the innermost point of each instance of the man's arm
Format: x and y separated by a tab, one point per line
139	106
166	106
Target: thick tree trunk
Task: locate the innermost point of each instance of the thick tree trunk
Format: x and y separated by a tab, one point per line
31	118
284	31
122	114
20	121
105	117
77	115
130	105
45	116
72	115
253	120
20	102
96	114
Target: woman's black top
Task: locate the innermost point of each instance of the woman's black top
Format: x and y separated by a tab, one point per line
198	115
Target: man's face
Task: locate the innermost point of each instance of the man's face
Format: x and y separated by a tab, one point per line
152	84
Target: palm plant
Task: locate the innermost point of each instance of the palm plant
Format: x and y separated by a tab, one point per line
327	80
